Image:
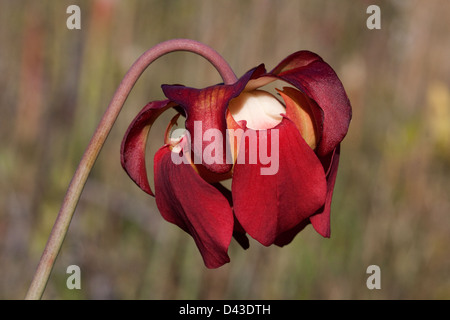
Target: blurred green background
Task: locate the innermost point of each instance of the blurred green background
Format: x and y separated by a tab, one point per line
391	205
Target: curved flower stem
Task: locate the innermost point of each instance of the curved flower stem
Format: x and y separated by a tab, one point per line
76	186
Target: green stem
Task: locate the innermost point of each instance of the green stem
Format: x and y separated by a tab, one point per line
76	186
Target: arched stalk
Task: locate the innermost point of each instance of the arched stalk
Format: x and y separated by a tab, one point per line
78	181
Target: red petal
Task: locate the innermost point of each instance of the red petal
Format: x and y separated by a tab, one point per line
269	205
296	60
208	108
309	73
321	220
197	207
132	152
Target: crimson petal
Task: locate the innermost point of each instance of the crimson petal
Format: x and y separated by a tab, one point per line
185	199
132	151
321	220
208	108
239	233
269	205
309	73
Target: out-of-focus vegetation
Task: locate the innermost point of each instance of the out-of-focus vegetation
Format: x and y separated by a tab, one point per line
391	204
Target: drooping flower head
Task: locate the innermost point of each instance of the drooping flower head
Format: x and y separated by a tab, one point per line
281	154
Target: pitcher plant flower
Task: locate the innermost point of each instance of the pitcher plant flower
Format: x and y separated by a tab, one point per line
281	154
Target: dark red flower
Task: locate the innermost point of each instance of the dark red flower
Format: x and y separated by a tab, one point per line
282	156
